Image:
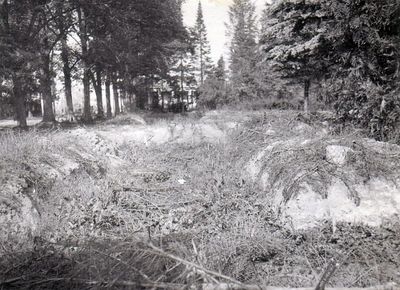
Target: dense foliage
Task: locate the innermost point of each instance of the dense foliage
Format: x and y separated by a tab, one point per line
350	48
117	42
242	30
214	91
364	48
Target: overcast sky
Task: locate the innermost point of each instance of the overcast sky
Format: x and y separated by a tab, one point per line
215	17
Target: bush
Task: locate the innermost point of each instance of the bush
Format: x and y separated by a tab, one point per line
213	93
374	108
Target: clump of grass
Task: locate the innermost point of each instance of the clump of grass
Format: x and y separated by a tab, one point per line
292	153
17	146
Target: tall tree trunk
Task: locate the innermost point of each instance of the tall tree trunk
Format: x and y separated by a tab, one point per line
201	65
182	75
121	100
180	97
307	83
123	93
87	115
19	100
67	77
116	95
63	21
97	84
108	95
126	85
45	85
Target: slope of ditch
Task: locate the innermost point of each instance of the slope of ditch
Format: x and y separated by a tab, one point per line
236	193
312	176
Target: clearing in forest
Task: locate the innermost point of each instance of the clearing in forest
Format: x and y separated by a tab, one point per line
143	201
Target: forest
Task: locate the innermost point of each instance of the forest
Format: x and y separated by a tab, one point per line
132	158
338	55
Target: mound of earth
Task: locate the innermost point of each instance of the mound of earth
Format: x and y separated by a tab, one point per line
310	176
163	132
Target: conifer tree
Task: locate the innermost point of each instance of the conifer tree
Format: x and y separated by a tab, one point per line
220	71
202	50
242	30
214	90
294	41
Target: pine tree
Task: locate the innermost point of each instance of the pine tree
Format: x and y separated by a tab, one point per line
352	46
364	51
202	50
294	41
214	90
220	71
242	30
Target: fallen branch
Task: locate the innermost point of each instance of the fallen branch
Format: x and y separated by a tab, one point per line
330	270
190	264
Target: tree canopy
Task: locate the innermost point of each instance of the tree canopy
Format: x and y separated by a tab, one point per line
351	48
115	40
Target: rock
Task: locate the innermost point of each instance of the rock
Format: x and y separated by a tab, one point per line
322	192
337	154
379	201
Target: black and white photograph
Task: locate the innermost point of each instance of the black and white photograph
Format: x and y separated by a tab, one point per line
200	144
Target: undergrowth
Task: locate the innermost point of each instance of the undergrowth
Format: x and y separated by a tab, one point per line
177	215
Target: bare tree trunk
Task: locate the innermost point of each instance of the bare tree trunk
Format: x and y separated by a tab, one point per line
116	96
108	95
180	96
306	95
97	84
46	82
45	85
123	92
87	116
67	76
19	100
121	99
125	89
201	65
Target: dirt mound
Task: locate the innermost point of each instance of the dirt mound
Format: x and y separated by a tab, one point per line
167	132
127	119
310	177
34	166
